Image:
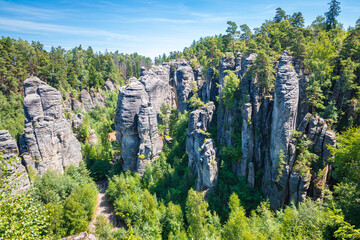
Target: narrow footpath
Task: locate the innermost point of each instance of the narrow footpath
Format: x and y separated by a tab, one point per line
104	207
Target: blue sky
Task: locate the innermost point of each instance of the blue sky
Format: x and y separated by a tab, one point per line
148	27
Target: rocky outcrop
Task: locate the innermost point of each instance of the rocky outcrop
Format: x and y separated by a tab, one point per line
158	88
111	86
139	106
47	141
9	150
267	128
201	148
183	79
150	142
126	122
92	140
284	115
90	99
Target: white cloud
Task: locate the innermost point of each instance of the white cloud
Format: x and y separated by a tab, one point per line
32	27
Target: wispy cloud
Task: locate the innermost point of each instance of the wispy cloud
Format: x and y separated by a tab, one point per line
167	20
25	11
31	27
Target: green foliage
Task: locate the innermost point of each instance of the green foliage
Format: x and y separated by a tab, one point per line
69	199
135	205
198	217
227	184
334	11
280	164
347	172
194	101
231	86
98	158
20	216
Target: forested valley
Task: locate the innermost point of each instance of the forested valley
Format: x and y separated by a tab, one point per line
249	135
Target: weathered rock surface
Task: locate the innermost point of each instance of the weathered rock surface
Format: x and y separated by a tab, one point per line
93	140
267	131
201	148
111	86
126	122
157	87
139	107
150	143
183	79
90	99
9	150
47	141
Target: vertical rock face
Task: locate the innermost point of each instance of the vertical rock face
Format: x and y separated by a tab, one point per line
158	89
150	142
184	76
201	148
138	107
267	131
9	150
282	151
225	116
126	122
48	141
284	112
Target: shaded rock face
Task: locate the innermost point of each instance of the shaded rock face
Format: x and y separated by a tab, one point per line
126	122
284	112
184	76
267	129
150	143
139	106
110	86
47	141
9	150
91	99
201	148
284	117
225	116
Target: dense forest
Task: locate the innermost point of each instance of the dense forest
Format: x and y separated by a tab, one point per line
66	70
162	203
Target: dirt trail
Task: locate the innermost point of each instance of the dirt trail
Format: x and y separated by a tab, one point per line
104	207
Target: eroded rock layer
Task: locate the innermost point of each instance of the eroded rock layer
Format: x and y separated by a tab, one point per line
201	148
9	150
47	141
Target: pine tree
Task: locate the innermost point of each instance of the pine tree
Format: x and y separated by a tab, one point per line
334	11
232	31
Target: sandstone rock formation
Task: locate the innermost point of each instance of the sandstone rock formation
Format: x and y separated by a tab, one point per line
183	79
139	106
91	99
47	141
9	150
267	129
201	148
150	142
126	122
